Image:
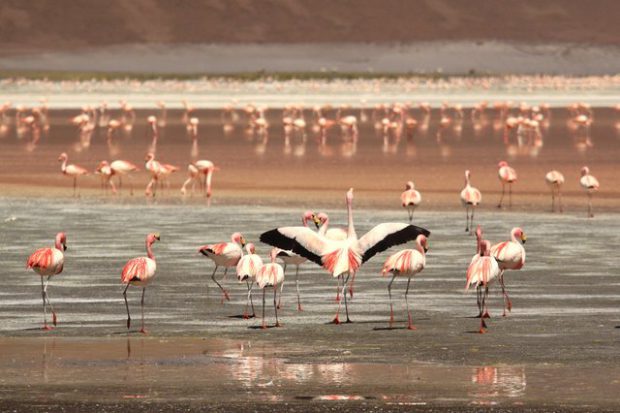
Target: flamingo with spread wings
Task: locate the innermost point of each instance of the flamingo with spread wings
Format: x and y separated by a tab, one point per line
342	258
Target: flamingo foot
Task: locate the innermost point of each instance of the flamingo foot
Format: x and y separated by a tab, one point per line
509	305
299	308
278	324
486	315
411	327
46	327
144	331
351	292
482	330
263	326
54	319
278	306
348	321
336	320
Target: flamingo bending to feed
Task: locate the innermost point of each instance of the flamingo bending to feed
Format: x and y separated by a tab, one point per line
193	175
406	263
71	170
270	275
555	180
470	198
342	258
48	262
140	272
507	175
481	272
410	199
288	257
224	254
247	268
511	256
590	184
206	169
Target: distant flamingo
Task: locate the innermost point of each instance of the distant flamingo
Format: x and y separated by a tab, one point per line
507	175
555	180
71	170
342	258
224	254
510	256
121	168
140	272
410	199
481	272
270	275
589	184
193	176
247	268
155	168
48	262
206	169
105	171
406	263
470	198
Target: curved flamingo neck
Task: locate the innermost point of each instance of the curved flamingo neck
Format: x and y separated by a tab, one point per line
513	236
351	231
63	167
58	243
208	179
418	245
149	250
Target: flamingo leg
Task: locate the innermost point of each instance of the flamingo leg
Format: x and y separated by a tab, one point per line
479	300
507	303
590	214
282	285
471	220
352	283
510	195
297	287
142	330
410	212
275	307
249	300
336	320
502	197
120	183
49	303
483	325
224	292
74	185
560	199
552	200
467	218
45	326
344	293
263	326
389	288
410	325
127	306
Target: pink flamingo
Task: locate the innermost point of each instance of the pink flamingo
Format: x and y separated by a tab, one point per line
510	256
507	175
555	180
481	272
140	272
410	199
247	268
342	258
105	171
270	275
193	176
121	168
470	198
71	170
206	169
406	263
590	184
474	258
224	254
48	262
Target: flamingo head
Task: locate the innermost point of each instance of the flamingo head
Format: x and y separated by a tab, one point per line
478	233
519	234
63	157
410	185
350	196
149	157
585	171
422	241
307	216
320	219
250	248
151	238
485	248
61	241
467	175
274	254
502	164
238	238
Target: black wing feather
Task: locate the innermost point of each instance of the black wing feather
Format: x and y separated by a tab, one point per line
408	233
276	239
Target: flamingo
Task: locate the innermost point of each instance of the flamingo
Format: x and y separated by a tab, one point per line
507	175
470	198
105	171
121	168
288	257
270	275
410	199
474	258
342	258
511	256
482	270
48	262
406	263
224	254
193	175
206	169
590	184
247	268
140	272
555	180
71	170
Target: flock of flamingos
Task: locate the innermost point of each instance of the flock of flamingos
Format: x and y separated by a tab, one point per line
338	250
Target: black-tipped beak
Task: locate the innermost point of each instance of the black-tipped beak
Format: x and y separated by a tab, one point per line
64	247
158	238
425	250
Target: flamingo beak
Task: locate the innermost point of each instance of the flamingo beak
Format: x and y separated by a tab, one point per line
242	241
523	237
64	247
316	220
157	237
